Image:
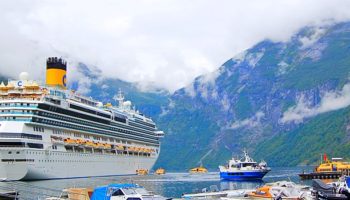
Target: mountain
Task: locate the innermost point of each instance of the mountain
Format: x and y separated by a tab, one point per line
3	79
286	102
89	81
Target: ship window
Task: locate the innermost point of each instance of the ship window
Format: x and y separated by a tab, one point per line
35	145
119	192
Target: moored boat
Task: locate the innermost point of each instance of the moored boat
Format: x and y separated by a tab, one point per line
111	192
281	190
244	169
141	171
214	193
160	171
198	170
328	169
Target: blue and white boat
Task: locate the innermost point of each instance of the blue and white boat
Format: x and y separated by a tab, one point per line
123	192
244	169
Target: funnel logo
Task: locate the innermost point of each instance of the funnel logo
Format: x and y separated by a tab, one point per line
19	83
64	81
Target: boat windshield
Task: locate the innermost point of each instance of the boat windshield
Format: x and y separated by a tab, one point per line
129	191
249	164
142	191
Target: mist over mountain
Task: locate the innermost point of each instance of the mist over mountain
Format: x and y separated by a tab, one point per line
286	102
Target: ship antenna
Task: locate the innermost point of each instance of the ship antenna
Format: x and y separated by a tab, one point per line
120	98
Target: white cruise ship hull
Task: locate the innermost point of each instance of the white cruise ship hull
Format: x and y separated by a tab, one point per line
28	164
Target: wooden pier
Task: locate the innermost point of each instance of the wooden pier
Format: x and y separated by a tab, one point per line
321	175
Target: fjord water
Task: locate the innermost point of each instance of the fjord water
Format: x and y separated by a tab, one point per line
169	185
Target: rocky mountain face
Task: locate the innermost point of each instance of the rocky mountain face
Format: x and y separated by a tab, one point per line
286	102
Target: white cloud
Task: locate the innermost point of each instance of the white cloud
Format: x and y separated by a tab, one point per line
250	122
254	58
225	102
104	86
307	41
283	68
330	101
190	90
167	43
240	56
315	52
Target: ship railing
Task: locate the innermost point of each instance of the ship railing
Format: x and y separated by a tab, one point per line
21	99
16	112
16	120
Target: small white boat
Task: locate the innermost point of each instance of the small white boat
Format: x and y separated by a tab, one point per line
281	190
110	192
214	193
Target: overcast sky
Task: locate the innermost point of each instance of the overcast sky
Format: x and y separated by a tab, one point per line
164	42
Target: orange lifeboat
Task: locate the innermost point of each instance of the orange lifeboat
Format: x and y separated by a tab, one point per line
69	141
120	147
131	149
107	146
99	145
80	141
89	144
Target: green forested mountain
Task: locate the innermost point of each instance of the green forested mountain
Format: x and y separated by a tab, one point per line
285	102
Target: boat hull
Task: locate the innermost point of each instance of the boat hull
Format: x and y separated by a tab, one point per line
28	164
256	175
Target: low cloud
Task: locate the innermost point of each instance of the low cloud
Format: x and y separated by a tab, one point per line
167	43
330	101
249	122
316	34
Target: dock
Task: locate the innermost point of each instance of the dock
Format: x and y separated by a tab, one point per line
321	175
9	195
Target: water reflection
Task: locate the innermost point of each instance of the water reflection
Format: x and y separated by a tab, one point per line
231	185
169	185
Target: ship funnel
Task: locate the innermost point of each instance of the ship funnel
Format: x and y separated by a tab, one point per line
56	72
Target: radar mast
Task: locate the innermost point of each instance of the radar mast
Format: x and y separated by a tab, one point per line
120	98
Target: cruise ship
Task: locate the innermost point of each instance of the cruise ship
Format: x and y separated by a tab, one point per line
49	132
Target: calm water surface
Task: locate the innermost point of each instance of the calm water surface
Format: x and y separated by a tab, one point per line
169	185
